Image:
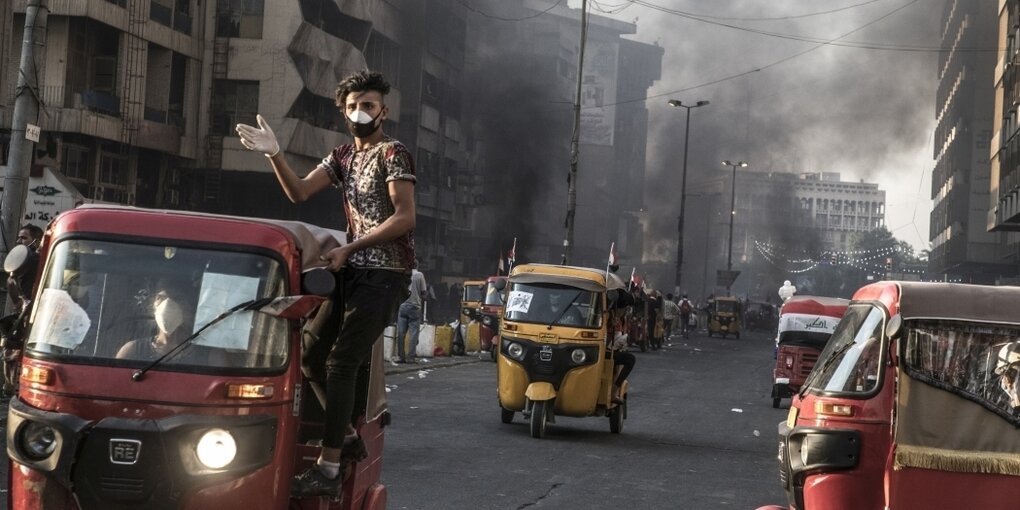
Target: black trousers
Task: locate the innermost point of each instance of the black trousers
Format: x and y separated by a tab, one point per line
626	360
365	302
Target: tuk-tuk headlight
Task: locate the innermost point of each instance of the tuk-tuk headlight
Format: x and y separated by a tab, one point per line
216	449
487	320
515	350
578	356
37	440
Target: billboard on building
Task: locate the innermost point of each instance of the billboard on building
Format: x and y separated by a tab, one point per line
598	93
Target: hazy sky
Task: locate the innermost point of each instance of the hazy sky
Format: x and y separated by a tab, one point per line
789	105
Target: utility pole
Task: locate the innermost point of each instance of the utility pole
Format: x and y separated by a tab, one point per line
568	241
26	110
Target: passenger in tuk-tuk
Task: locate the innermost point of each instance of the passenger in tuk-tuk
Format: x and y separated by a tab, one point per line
1008	368
376	177
623	360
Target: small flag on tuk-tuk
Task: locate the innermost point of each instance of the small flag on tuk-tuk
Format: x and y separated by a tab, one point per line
499	267
636	281
512	256
612	255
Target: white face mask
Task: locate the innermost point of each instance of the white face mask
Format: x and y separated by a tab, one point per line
168	315
360	117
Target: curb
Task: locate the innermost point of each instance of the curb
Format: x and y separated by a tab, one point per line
434	363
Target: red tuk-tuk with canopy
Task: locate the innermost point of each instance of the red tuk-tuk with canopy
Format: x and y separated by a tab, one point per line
225	419
913	403
805	325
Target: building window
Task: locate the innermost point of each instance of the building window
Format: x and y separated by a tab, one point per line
429	118
233	102
77	163
113	170
383	55
92	67
239	18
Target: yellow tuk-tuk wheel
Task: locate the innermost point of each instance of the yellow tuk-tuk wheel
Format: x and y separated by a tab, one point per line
538	418
506	415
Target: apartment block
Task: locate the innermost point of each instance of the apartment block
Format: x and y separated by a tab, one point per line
960	242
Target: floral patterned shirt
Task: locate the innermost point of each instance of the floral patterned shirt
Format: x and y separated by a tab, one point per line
363	177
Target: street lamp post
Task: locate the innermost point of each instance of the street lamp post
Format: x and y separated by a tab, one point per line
733	212
676	103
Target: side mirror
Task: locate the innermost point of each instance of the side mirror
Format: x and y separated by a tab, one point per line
500	285
318	281
894	327
16	259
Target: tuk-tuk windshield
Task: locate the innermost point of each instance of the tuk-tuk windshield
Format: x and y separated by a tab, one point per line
555	305
851	360
978	361
725	306
105	302
473	293
493	296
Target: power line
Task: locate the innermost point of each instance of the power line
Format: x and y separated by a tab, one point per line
500	18
777	18
762	68
804	38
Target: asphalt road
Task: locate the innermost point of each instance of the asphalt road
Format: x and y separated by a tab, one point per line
700	434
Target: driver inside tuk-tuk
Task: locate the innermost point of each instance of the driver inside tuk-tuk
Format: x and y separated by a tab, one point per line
173	326
563	309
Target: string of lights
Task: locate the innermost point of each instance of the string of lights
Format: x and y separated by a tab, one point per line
860	259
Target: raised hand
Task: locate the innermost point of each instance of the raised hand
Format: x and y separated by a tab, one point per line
260	139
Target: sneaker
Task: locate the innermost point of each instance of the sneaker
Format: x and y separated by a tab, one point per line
311	482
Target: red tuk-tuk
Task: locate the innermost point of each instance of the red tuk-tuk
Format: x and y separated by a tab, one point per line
225	419
805	325
914	403
490	312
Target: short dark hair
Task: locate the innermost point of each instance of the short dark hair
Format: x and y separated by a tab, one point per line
361	81
36	232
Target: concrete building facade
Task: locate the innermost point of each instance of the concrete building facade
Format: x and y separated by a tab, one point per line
1004	211
140	98
960	241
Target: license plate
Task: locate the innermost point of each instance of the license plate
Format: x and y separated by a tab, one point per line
545	354
125	451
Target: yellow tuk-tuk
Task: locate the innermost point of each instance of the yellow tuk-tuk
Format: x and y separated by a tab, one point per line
472	299
724	316
553	357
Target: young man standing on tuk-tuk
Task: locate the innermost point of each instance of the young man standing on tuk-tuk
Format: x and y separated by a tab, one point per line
376	177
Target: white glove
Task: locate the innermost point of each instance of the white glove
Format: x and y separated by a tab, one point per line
260	138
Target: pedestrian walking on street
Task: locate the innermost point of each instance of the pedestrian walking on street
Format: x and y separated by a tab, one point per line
409	318
686	308
670	311
376	177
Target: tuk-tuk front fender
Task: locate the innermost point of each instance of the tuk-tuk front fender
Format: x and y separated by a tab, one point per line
540	391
